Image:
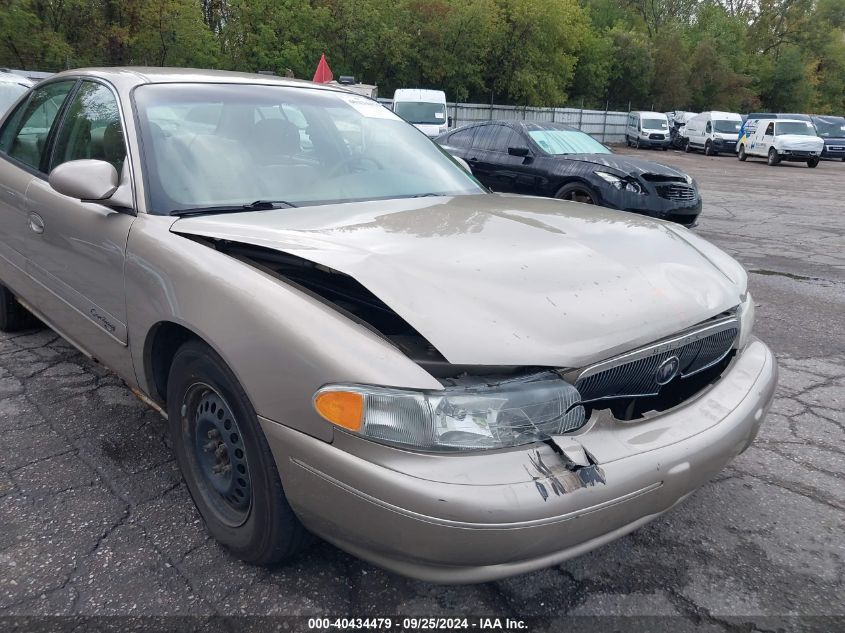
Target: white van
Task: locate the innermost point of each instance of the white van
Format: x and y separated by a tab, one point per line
781	139
713	132
426	109
647	129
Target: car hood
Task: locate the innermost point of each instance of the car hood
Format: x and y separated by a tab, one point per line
506	280
625	164
799	142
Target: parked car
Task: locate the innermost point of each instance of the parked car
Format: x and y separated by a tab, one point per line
713	132
781	139
748	123
362	341
647	129
558	161
425	109
12	86
831	129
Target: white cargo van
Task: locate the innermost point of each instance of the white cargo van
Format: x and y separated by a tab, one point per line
781	139
647	129
426	109
713	132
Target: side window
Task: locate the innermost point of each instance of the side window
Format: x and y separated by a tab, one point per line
709	127
91	128
770	130
462	138
493	138
25	135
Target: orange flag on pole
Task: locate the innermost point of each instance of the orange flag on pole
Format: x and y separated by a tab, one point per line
323	74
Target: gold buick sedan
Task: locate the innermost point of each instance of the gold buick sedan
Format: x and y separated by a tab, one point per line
351	337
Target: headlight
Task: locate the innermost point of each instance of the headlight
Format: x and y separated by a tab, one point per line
689	179
620	183
482	415
746	320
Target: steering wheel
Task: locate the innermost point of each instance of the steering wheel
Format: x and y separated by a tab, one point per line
352	160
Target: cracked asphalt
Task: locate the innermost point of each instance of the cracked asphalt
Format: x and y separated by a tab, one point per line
95	520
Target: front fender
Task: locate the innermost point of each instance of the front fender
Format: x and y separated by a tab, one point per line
281	343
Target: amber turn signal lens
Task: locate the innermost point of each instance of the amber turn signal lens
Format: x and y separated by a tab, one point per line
344	408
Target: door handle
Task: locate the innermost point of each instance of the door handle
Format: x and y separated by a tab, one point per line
36	223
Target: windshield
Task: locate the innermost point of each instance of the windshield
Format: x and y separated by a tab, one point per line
726	127
558	142
794	127
655	124
831	129
208	145
9	93
421	112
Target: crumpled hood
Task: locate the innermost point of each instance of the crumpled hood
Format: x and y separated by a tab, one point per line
506	280
626	164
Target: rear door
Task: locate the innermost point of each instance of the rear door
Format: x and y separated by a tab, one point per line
489	158
78	253
23	141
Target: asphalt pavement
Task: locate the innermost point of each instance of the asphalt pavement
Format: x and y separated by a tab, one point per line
95	520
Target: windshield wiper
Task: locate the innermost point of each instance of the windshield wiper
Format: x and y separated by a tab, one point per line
258	205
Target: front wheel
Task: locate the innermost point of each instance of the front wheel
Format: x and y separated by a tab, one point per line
708	149
577	192
226	461
773	159
741	154
813	162
637	143
687	148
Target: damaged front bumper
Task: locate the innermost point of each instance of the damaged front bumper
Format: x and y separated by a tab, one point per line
463	518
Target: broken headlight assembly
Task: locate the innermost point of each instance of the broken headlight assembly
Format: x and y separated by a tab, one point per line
623	184
746	315
482	415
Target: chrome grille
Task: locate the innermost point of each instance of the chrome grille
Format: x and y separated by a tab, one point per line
657	137
635	373
676	192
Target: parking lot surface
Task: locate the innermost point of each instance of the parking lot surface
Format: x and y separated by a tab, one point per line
96	521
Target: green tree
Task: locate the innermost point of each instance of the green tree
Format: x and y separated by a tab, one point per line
535	50
633	70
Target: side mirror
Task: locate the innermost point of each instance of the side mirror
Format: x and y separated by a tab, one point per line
88	180
518	151
462	163
448	121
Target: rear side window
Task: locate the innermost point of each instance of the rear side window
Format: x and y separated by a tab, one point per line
91	128
24	137
770	129
493	138
462	138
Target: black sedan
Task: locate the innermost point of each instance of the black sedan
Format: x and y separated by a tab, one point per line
555	160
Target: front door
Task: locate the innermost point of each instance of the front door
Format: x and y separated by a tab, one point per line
78	253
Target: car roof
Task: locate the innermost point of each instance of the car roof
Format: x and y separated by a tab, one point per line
137	75
418	94
14	78
650	113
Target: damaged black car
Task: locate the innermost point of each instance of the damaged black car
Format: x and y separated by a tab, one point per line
559	161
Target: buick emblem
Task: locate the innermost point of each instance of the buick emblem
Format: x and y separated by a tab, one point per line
667	371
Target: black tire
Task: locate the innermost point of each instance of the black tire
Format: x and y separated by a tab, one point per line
256	525
687	148
637	143
773	158
13	316
578	192
627	140
708	149
741	155
813	162
665	148
843	159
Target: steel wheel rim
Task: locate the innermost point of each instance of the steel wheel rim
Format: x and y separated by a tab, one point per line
217	453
